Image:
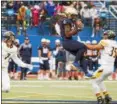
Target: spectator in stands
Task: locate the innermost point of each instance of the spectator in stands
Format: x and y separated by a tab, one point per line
83	4
44	54
86	16
10	5
26	54
60	56
97	27
59	8
94	13
95	57
28	15
21	19
50	8
35	16
17	5
103	15
10	14
42	21
59	17
3	6
3	14
78	7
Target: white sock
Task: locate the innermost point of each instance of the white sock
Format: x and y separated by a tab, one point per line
102	86
95	86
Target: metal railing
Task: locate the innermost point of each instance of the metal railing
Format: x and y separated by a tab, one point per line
113	10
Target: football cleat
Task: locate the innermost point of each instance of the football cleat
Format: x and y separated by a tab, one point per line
88	76
76	66
108	99
100	100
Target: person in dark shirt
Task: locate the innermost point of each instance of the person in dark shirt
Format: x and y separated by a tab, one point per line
25	53
69	27
44	55
60	57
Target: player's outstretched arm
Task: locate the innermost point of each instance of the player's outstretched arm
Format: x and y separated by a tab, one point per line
20	63
94	47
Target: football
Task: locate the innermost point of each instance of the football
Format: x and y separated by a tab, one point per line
79	24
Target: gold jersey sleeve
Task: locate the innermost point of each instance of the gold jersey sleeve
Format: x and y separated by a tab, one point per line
103	43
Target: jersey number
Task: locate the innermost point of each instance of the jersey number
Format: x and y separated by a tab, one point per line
7	55
113	52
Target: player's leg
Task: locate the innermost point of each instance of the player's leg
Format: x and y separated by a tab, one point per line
97	91
40	72
47	70
96	85
28	61
84	65
108	71
16	72
99	86
5	82
11	68
22	73
76	48
107	98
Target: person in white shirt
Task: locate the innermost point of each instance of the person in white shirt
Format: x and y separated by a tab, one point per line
108	49
9	50
103	12
85	14
94	12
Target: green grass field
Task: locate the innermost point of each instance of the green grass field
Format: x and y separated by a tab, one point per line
36	91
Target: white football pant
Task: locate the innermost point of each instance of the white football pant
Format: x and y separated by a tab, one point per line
5	81
97	83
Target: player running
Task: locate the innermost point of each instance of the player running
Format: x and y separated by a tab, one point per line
9	50
108	54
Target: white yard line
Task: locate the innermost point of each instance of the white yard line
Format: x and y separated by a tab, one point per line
44	81
51	86
27	86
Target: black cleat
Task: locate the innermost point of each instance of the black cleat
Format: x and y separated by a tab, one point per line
108	99
100	100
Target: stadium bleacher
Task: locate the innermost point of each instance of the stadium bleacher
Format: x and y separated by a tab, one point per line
35	34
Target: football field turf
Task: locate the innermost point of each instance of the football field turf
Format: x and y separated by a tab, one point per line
34	91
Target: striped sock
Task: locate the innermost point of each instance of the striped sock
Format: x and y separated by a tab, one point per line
105	93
